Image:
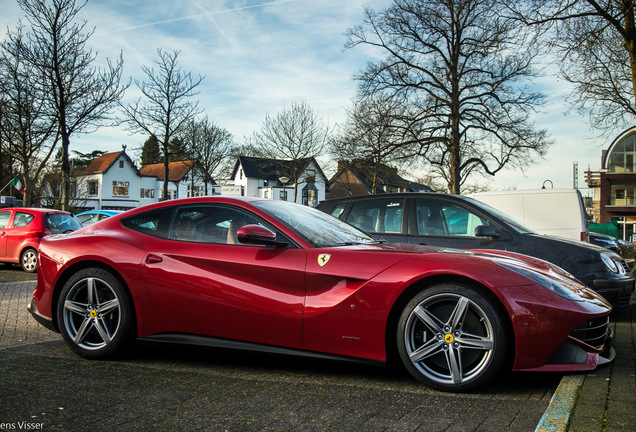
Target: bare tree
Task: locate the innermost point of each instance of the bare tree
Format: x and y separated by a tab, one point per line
208	144
80	96
595	43
461	66
28	133
295	134
376	127
168	106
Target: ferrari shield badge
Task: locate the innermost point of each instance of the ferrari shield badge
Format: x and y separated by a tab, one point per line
323	259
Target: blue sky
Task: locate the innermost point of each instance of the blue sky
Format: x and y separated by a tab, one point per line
259	56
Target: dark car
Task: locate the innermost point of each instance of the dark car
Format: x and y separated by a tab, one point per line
460	222
21	230
267	275
605	241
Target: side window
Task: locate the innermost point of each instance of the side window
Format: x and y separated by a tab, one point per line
22	219
155	222
460	221
87	219
337	210
445	219
210	223
381	216
4	218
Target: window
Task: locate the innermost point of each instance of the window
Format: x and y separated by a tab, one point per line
93	188
22	219
381	216
120	188
121	164
4	218
147	193
195	190
444	219
172	194
337	210
310	197
155	222
210	223
283	195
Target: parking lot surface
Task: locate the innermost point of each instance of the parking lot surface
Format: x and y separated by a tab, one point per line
43	385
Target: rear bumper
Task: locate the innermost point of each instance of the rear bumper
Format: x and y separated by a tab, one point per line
44	320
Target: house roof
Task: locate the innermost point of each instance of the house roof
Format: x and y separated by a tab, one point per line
363	170
176	170
271	169
102	163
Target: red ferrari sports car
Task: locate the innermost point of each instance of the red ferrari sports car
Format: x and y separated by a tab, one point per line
273	276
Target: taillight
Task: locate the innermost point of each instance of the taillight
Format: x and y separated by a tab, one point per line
42	232
583	236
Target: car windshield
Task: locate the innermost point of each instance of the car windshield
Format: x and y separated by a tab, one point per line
504	217
60	223
317	228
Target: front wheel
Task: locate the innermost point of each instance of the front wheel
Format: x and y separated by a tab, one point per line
452	338
29	260
94	314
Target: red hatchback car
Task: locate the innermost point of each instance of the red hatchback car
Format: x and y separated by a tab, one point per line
272	276
21	230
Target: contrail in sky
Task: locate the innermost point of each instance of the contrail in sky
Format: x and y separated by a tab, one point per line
200	15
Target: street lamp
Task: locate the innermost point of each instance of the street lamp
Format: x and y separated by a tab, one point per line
284	180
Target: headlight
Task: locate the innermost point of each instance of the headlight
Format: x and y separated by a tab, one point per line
611	263
567	290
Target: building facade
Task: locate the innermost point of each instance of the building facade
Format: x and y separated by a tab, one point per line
364	177
614	185
278	179
113	182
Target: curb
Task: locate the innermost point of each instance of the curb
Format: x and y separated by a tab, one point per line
557	415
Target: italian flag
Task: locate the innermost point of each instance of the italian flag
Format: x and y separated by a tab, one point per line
16	183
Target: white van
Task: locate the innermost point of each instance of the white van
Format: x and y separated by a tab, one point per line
556	212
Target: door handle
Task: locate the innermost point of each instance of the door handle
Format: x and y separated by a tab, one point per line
153	259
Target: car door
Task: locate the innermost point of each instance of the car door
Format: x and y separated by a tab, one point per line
451	223
202	281
20	229
5	215
382	218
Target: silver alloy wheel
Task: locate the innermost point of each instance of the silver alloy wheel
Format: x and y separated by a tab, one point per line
449	339
29	260
92	313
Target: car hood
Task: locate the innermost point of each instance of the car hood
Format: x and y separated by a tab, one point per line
589	246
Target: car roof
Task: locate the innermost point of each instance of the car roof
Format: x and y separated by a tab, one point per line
393	195
36	210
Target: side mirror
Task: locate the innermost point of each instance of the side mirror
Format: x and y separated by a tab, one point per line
258	235
486	231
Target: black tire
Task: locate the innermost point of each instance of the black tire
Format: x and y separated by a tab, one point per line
29	260
95	314
452	338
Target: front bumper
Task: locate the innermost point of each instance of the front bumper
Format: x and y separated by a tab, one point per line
44	320
615	291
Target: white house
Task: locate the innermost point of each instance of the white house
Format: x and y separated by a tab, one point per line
279	179
113	182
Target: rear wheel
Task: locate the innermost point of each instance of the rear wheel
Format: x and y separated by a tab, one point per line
94	313
29	260
452	338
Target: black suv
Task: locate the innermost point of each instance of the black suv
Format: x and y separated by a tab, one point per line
460	222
